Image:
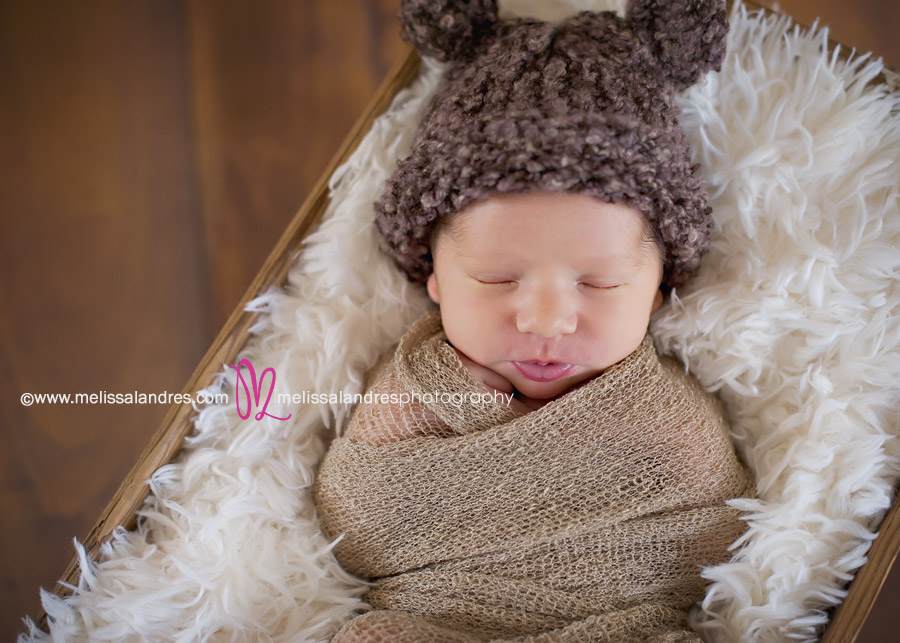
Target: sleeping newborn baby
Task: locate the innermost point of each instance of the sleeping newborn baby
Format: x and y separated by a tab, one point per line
548	205
533	304
540	292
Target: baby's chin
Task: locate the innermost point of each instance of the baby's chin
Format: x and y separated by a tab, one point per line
547	390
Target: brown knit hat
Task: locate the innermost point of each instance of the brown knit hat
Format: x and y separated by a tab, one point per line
586	105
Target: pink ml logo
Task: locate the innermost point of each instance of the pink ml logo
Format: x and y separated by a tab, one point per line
256	385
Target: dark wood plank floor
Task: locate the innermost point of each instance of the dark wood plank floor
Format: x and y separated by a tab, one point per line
151	155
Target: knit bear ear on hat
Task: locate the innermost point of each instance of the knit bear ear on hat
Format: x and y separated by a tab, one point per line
447	29
687	37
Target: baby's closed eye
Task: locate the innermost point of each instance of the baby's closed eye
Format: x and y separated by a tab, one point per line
491	280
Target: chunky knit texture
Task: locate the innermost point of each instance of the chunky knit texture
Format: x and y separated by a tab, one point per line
584	105
587	519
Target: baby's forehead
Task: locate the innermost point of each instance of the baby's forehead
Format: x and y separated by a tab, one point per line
549	229
550	215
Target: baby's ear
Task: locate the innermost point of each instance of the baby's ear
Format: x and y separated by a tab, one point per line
447	29
687	36
432	287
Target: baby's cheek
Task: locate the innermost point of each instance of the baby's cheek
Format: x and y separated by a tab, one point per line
485	375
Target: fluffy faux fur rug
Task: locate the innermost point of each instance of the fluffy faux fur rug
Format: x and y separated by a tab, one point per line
794	319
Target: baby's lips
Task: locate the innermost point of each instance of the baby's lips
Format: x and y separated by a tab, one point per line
540	372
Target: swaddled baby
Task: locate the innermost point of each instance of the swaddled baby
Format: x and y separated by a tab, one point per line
531	469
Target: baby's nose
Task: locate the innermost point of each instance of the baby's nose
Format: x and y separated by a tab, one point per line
547	313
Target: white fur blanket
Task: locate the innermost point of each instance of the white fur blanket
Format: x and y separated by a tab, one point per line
794	319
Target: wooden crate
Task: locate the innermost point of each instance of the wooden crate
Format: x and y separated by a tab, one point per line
848	618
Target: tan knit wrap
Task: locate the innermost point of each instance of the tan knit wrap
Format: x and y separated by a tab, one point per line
588	519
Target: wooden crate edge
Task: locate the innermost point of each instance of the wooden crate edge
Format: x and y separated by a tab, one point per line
850	616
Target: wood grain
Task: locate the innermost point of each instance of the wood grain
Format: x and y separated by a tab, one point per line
102	287
867	25
167	441
275	85
110	194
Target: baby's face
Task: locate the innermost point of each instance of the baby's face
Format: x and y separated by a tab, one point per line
546	289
